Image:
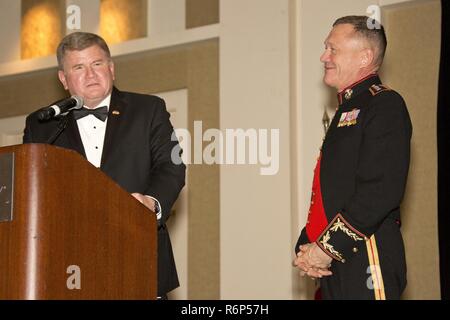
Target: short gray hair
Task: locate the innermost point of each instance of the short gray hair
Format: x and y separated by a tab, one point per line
79	41
375	36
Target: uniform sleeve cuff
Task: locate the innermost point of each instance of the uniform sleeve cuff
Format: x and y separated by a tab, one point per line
336	235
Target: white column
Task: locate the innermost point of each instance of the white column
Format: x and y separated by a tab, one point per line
256	248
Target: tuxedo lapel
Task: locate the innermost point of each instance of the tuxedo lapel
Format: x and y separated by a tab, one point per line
115	115
73	135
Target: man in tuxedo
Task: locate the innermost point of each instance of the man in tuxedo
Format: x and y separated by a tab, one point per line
127	135
352	239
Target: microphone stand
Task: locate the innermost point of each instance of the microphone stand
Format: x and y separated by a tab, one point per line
61	126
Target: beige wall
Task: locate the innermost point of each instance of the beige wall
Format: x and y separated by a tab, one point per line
255	212
165	17
201	13
412	68
11	33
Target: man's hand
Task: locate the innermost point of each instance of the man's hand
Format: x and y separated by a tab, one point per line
146	201
312	261
315	256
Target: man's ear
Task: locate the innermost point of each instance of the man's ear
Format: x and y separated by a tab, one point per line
62	78
111	68
367	57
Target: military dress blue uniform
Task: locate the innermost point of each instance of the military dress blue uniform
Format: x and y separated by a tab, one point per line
355	205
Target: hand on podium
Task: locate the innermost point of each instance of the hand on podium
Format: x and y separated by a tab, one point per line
145	200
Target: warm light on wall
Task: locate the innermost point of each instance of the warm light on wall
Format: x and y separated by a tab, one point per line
41	27
122	20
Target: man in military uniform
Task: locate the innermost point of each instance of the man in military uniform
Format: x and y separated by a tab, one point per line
352	239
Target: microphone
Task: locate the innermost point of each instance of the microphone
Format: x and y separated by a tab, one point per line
60	107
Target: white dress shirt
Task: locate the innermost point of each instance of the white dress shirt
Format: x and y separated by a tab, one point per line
92	133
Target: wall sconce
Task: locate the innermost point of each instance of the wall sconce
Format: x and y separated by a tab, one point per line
42	27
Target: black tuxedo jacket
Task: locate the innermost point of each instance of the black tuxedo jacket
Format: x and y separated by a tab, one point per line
136	154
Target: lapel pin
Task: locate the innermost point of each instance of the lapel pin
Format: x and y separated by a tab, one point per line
116	113
348	94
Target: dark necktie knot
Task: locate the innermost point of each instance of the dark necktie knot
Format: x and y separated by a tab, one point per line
100	113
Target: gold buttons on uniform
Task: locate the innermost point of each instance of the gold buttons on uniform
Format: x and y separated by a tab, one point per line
355	250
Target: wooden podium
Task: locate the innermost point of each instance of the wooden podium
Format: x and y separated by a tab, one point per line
73	232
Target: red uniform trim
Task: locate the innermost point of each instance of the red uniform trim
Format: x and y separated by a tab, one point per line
342	92
317	219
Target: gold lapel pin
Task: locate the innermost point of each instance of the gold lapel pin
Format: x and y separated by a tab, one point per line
116	113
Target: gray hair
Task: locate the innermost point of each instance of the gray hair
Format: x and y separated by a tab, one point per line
79	41
376	36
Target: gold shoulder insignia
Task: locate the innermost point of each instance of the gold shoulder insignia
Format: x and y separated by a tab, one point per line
378	88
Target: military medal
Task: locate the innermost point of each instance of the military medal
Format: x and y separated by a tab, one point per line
349	118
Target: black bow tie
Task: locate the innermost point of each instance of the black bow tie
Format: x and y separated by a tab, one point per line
100	113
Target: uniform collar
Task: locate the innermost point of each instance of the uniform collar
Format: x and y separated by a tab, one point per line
356	88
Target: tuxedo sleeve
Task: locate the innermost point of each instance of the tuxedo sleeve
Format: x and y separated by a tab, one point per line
166	178
380	177
27	137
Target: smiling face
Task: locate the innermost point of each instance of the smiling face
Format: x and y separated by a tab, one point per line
346	58
88	73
